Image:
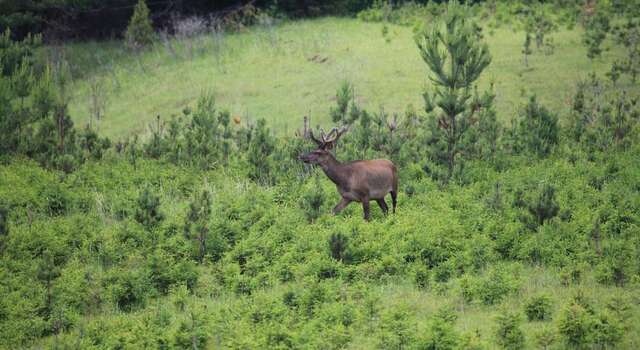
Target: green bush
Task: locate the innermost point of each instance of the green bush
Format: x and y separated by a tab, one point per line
545	337
495	286
535	131
396	331
128	289
313	199
538	308
574	325
441	333
509	335
544	205
4	220
607	331
339	247
148	210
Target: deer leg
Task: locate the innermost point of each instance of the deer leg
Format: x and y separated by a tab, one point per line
343	203
394	196
365	207
383	205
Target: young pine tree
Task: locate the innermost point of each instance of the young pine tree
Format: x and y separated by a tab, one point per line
4	220
543	25
139	31
197	222
536	131
595	33
526	48
509	335
312	200
628	36
544	206
148	211
483	140
261	147
456	58
340	113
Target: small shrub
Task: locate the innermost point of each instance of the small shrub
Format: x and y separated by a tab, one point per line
526	48
421	276
441	334
396	331
538	308
4	220
339	247
607	330
545	337
312	200
574	325
128	288
620	307
261	147
148	210
508	332
596	28
543	206
191	332
495	286
536	131
197	228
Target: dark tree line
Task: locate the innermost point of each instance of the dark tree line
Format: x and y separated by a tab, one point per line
63	19
108	18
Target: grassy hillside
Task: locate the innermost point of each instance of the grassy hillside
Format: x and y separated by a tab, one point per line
283	72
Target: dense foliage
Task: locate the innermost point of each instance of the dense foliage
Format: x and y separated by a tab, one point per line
208	232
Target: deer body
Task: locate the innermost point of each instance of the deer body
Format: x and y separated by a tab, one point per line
357	181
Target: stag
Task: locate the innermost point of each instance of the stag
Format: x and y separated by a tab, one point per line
357	181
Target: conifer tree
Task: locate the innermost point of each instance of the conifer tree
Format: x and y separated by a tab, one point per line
595	33
148	211
4	220
456	58
139	31
261	147
197	222
526	48
341	114
536	131
508	333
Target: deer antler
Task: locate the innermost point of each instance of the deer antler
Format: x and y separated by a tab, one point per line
393	124
312	137
337	134
328	140
340	132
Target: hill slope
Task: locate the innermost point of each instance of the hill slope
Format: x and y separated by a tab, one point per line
283	72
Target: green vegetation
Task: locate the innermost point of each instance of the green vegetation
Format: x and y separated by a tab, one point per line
205	231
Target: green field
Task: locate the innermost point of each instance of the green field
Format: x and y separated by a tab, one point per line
284	72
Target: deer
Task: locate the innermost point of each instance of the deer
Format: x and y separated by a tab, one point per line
357	181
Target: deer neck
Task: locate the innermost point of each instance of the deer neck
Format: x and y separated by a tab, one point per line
332	168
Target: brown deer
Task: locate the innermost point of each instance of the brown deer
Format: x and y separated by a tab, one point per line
357	181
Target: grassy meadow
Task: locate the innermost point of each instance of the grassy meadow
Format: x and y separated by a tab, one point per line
283	72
